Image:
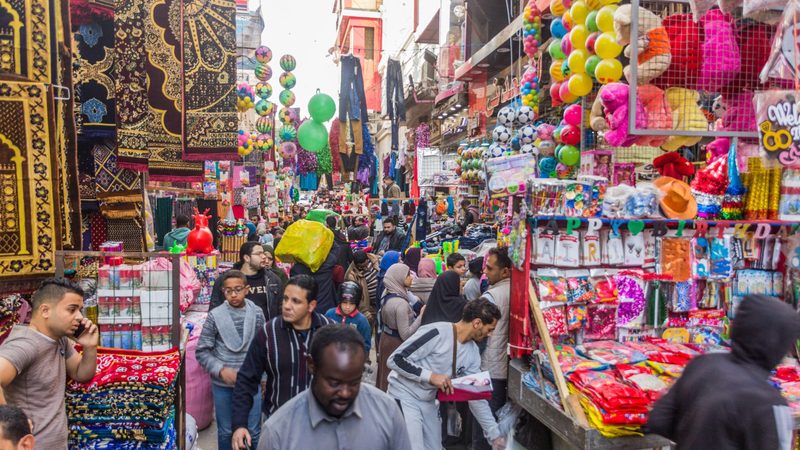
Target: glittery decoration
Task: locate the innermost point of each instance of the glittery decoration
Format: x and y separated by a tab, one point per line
733	201
576	316
602	322
708	187
682	299
758	184
580	290
324	165
774	193
306	162
556	320
423	136
631	301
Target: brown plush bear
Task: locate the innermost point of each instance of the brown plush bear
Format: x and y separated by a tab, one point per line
653	49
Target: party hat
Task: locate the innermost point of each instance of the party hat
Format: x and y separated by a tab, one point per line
733	200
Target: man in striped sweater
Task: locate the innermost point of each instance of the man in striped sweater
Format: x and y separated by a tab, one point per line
279	349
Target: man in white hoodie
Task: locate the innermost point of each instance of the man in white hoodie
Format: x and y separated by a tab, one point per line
426	363
495	357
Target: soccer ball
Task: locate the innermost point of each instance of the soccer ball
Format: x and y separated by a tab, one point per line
501	134
528	149
527	134
506	116
525	115
496	150
486	153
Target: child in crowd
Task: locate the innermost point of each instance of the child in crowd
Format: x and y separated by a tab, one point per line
457	263
347	312
222	348
473	288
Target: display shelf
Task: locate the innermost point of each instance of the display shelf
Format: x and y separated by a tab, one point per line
563	428
673	222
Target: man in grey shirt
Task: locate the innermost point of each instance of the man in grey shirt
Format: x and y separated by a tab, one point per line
337	412
426	362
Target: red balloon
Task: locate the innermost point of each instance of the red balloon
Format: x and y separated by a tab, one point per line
554	94
571	135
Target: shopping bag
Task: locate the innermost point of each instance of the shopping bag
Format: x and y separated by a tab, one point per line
306	242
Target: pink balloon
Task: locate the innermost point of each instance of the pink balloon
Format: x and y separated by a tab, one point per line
566	44
572	115
554	94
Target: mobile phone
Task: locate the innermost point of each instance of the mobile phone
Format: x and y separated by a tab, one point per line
81	329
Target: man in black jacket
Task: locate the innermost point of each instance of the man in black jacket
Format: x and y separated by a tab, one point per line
725	401
327	297
266	289
340	245
389	239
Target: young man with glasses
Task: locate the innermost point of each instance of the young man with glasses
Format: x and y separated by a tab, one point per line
221	350
265	288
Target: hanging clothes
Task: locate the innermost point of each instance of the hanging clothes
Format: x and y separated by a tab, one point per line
395	98
352	110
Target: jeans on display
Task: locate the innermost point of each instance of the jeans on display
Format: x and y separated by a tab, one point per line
395	98
352	104
223	396
497	401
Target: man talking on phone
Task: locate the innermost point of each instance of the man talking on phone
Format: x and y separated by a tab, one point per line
36	360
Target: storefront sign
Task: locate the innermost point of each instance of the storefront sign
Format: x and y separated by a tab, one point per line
778	118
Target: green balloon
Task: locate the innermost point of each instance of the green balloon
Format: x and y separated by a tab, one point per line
321	107
569	155
555	49
591	22
312	136
591	64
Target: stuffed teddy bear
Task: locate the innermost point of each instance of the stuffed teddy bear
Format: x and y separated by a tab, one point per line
614	102
659	114
685	38
653	47
720	55
686	116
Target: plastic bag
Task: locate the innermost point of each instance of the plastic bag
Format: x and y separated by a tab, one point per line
783	61
506	419
305	242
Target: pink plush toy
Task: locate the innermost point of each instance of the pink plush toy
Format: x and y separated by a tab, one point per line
721	55
614	98
739	114
717	148
659	114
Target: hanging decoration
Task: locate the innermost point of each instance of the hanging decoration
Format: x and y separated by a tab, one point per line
312	134
532	37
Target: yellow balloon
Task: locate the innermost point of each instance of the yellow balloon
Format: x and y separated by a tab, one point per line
608	71
577	61
605	18
579	84
606	46
555	70
578	35
556	7
579	11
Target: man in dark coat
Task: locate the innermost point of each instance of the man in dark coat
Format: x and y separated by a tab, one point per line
725	400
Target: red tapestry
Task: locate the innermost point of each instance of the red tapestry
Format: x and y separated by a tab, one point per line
129	366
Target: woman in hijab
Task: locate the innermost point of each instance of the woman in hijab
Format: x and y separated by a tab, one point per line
426	277
271	264
412	258
445	303
397	318
389	258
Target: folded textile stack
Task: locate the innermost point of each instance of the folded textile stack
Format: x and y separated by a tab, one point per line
129	404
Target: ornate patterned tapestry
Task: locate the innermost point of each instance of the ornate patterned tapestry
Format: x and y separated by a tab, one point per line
28	180
113	184
93	50
209	71
130	84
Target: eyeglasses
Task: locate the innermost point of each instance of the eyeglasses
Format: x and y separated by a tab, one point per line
237	291
258	253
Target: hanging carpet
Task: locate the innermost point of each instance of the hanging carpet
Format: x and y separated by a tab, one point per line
209	75
113	184
94	78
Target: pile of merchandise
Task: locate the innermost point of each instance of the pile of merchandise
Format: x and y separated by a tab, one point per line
129	404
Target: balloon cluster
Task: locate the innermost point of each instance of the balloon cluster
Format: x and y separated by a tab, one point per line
568	137
312	134
246	143
584	48
531	36
469	162
245	97
287	80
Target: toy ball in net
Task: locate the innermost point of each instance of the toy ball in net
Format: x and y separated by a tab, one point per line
263	90
288	63
285	115
525	115
287	98
506	116
287	80
263	54
263	72
265	108
501	134
288	149
263	142
287	133
264	125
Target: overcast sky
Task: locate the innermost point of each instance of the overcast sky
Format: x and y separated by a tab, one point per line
306	30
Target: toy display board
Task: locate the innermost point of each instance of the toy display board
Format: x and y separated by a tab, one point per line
628	303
